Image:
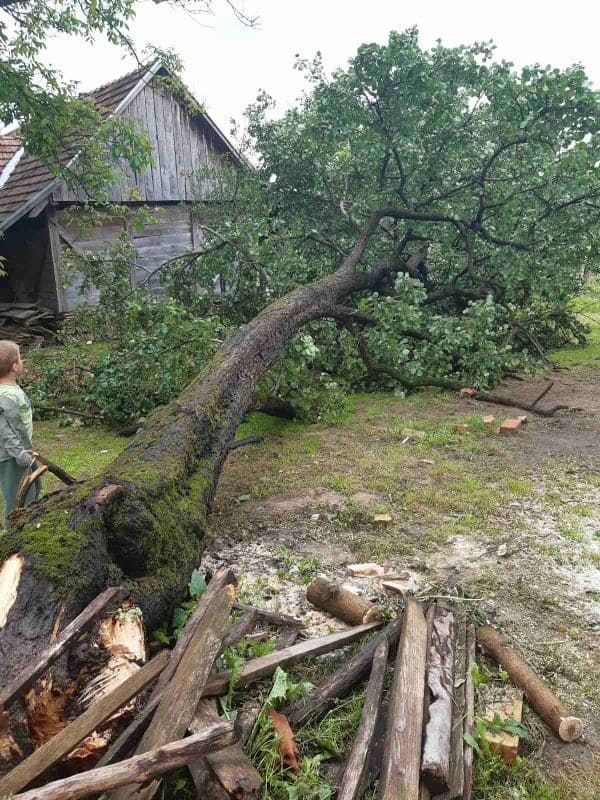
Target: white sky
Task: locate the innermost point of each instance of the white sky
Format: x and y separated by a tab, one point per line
225	63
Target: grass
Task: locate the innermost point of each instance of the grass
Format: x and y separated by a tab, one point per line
587	307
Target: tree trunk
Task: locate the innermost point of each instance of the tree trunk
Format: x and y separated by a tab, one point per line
142	521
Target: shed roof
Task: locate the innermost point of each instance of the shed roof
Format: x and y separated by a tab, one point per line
9	144
31	181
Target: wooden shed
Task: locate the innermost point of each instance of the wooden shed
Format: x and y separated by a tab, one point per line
37	209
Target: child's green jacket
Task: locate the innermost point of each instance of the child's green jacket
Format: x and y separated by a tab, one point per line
14	439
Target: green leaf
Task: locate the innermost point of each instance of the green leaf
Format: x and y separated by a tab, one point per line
472	742
160	636
197	584
280	686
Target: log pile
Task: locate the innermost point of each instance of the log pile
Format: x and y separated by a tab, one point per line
27	323
413	736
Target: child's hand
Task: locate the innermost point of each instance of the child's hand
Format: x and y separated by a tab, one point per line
40	459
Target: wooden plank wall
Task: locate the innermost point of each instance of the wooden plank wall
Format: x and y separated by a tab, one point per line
181	145
170	236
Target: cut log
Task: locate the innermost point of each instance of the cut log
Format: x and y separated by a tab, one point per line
343	679
132	734
435	764
354	773
457	744
469	727
401	764
505	744
341	603
182	695
539	697
264	666
274	618
75	732
239	629
140	768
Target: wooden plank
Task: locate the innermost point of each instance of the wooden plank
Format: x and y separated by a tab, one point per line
264	666
456	774
57	263
343	680
137	112
75	732
168	113
435	764
399	779
182	695
238	629
354	773
156	189
163	150
469	726
137	726
140	768
79	625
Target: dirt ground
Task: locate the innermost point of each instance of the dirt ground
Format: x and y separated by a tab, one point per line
511	521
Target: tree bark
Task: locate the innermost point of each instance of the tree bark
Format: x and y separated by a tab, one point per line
142	521
539	697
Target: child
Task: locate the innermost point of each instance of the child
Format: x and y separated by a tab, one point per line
16	430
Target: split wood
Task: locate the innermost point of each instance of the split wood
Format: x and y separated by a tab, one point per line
456	776
469	728
180	698
354	773
75	732
239	629
275	618
424	793
343	679
74	629
435	764
264	666
341	603
139	769
399	778
542	699
131	735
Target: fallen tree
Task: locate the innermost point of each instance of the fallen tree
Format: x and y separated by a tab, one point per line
428	259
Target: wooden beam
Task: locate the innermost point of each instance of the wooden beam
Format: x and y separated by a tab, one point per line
399	779
435	763
75	732
343	679
469	727
140	768
239	629
540	697
182	695
352	779
456	774
264	666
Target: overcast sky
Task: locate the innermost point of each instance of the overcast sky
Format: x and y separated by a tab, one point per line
226	63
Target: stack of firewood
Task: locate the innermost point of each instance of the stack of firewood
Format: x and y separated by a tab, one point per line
411	735
27	323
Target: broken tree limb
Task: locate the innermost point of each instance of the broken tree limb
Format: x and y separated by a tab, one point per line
343	679
274	618
75	732
456	775
79	625
539	697
182	695
26	483
341	603
264	666
131	735
400	769
469	727
354	773
435	764
244	442
139	769
496	399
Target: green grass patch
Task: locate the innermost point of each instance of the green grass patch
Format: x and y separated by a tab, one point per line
587	307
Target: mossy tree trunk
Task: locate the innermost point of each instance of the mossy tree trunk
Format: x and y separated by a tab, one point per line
142	521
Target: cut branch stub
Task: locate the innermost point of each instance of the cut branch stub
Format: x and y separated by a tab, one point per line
341	603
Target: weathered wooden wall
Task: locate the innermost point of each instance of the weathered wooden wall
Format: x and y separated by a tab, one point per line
171	235
28	264
182	145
